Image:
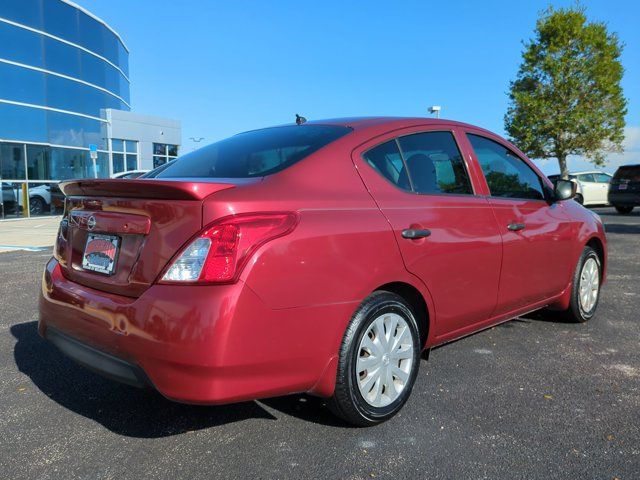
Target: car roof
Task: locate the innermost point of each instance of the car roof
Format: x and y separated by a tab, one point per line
361	123
370	127
583	172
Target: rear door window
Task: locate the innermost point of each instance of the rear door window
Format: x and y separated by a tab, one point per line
253	154
602	178
434	164
425	163
507	174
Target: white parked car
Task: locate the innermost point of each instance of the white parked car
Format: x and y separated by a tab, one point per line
129	174
593	186
44	198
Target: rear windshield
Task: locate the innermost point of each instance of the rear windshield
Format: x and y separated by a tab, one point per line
253	154
630	172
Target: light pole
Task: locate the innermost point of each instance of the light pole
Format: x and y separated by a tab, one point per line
435	109
196	140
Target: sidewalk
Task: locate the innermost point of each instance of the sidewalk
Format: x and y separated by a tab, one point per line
28	234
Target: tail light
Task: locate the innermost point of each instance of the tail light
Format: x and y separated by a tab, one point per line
61	239
221	250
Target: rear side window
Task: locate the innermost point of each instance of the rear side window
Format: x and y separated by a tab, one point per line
507	174
386	159
631	172
586	177
427	163
253	154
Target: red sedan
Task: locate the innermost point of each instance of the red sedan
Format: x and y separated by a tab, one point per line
321	258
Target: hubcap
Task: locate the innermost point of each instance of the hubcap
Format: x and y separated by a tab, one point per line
385	358
589	285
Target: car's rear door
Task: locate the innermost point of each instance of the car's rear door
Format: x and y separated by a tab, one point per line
602	180
537	234
447	234
590	189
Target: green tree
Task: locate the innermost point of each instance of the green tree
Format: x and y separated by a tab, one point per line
567	98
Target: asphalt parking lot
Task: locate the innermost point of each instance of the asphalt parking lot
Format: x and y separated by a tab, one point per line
534	398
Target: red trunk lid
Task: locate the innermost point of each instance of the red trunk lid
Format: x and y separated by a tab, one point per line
151	220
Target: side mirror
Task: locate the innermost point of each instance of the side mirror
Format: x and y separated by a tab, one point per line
564	189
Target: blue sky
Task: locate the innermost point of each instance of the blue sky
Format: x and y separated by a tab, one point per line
226	66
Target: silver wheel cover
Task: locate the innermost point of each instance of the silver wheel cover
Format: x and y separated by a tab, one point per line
385	360
589	286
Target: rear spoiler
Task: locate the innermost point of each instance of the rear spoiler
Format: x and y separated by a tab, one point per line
143	188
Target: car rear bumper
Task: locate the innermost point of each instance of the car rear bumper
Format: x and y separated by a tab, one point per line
195	344
100	362
624	198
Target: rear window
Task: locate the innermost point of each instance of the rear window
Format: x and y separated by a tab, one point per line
630	172
253	154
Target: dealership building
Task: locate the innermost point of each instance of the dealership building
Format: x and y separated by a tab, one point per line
65	110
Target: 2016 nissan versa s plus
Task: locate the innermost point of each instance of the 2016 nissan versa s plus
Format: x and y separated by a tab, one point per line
320	258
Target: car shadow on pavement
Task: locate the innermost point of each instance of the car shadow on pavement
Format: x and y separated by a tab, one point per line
135	412
122	409
622	228
544	315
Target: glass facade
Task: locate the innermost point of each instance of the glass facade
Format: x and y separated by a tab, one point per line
60	68
124	154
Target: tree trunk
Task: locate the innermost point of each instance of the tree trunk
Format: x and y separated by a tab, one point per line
564	171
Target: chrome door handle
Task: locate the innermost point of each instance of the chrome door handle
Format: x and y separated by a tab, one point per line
514	227
414	234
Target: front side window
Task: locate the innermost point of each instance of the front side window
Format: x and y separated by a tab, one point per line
253	154
507	174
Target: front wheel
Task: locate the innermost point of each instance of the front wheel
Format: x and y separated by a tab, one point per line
578	198
623	209
585	291
378	361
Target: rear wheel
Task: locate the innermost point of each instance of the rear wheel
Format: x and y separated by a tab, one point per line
585	292
378	361
623	209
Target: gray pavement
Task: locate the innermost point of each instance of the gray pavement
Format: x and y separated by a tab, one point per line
36	233
534	398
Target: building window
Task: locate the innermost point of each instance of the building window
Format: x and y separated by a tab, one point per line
124	155
163	153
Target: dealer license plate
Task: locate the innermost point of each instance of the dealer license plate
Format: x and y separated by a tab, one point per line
101	253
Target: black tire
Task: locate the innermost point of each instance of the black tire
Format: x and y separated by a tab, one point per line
578	198
624	209
37	206
347	401
576	312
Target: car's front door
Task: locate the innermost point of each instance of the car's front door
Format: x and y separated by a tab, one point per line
447	235
537	234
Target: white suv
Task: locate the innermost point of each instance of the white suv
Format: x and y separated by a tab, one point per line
593	186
